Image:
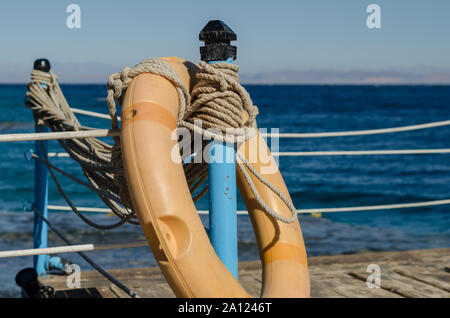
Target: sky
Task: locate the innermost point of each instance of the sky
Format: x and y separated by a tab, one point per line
323	41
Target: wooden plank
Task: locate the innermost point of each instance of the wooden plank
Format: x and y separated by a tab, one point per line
321	290
340	282
404	286
439	280
161	290
431	256
119	293
423	273
81	293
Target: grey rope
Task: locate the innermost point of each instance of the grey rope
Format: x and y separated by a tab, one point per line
242	163
50	107
69	202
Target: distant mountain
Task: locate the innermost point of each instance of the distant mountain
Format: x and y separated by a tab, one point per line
345	77
93	72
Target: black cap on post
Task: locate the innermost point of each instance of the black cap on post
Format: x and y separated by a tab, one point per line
217	37
28	279
42	65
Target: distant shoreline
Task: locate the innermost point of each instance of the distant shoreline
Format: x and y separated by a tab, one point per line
274	84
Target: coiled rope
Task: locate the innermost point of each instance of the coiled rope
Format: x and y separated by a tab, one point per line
213	110
217	101
45	98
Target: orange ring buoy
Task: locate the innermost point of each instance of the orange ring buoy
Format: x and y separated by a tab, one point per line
167	214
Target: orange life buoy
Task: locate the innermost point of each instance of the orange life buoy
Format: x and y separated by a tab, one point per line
167	214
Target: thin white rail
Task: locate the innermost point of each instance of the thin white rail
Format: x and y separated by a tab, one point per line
315	210
360	132
93	247
58	155
98	133
378	207
314	135
362	152
81	209
91	113
70	249
329	153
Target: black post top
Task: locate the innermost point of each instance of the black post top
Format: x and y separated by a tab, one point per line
27	279
217	37
42	65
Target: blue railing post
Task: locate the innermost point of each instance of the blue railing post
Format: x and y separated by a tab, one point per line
222	175
41	191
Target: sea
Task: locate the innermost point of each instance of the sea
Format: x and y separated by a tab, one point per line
313	182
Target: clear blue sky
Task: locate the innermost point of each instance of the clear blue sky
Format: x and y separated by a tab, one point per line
272	35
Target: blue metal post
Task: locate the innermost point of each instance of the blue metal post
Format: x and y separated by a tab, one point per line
41	191
222	174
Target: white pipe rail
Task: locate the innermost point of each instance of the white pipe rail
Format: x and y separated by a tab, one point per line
69	249
94	133
91	113
378	207
58	155
360	132
362	152
93	247
328	153
98	133
313	135
81	209
364	208
315	210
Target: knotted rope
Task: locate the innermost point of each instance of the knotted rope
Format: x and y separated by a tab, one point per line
214	110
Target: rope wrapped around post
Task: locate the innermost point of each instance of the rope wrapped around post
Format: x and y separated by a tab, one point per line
214	109
217	101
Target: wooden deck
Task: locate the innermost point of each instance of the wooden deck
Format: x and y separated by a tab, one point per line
423	273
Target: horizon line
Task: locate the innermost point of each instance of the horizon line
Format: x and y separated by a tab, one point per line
276	84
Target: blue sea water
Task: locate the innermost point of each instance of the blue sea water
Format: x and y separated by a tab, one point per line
314	182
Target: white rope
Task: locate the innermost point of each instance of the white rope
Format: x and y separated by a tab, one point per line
362	152
69	249
360	132
91	113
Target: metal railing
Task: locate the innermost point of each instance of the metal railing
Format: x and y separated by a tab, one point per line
41	251
224	240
